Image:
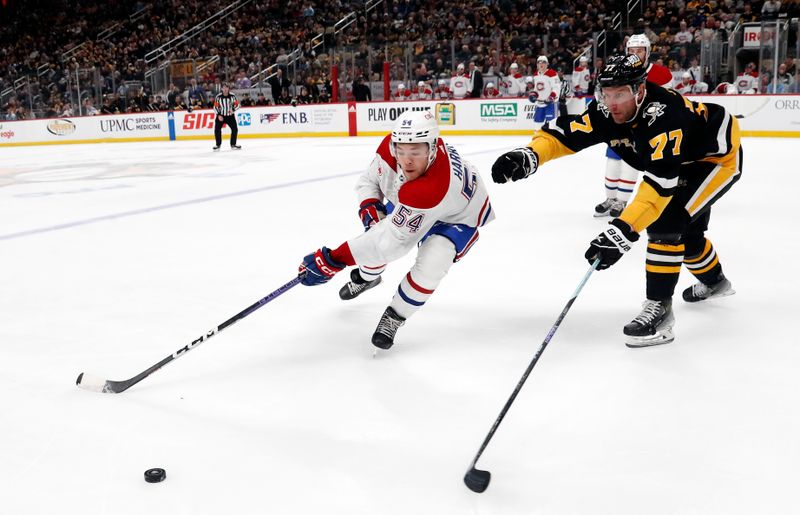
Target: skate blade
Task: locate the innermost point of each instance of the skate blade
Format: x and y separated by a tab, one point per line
601	215
660	338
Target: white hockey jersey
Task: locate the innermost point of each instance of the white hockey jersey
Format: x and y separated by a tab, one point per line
514	85
451	191
746	82
459	86
547	86
581	78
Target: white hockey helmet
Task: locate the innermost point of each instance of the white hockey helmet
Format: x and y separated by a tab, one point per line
421	83
583	59
513	66
529	79
490	84
542	59
401	86
638	41
416	127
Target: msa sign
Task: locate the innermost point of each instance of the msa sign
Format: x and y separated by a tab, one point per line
498	110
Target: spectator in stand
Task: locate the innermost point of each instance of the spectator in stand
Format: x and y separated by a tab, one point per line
677	72
286	98
247	100
242	81
581	77
172	95
261	100
683	37
180	105
459	83
88	108
491	91
196	94
361	91
475	80
278	83
783	81
769	11
304	97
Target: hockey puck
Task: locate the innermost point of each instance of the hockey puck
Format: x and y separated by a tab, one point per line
155	475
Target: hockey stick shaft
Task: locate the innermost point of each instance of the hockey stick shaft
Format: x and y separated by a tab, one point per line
101	385
536	356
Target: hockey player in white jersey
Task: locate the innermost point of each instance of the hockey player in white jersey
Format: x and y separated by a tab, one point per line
581	77
459	83
546	88
417	192
514	83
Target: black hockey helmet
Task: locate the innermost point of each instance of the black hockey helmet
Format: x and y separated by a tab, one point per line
622	70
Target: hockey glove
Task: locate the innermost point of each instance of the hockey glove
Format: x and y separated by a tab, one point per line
533	96
318	268
371	212
515	165
611	244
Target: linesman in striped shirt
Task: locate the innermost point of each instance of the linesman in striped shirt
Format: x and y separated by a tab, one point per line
225	104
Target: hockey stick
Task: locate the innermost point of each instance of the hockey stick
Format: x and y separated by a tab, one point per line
478	480
98	384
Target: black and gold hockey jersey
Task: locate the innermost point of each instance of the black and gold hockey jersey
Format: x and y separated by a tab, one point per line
668	136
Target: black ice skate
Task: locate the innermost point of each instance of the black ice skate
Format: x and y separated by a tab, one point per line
357	286
653	326
701	291
616	208
236	147
603	208
383	337
216	148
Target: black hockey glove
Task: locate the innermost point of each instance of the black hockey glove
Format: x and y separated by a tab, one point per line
611	244
515	165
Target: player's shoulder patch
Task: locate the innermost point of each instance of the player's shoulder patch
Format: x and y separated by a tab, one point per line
551	73
429	190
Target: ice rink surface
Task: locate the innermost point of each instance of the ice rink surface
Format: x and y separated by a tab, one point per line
114	256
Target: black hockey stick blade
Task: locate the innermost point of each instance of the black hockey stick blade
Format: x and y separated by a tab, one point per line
477	480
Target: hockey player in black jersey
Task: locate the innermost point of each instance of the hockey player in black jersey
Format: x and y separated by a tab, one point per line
690	155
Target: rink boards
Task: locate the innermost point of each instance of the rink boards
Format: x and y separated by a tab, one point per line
760	115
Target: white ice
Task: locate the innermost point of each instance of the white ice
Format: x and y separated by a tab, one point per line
114	256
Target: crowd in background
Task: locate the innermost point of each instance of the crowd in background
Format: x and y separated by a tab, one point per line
70	71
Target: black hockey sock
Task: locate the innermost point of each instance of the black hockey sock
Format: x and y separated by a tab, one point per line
663	267
704	264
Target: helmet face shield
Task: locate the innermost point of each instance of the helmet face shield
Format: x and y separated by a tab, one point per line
610	96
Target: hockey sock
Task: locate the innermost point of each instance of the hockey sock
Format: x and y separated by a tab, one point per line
703	262
663	267
613	171
627	181
434	259
369	273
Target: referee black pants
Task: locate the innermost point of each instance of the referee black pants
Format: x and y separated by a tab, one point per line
230	121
